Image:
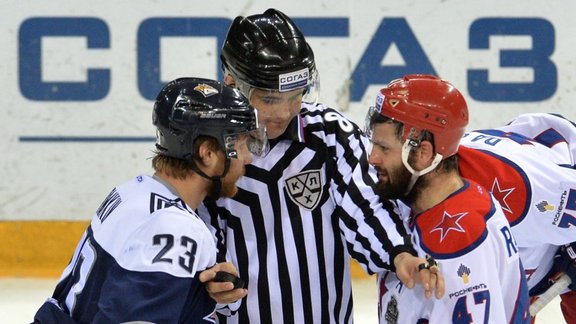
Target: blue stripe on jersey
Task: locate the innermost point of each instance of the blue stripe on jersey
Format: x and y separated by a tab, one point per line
549	138
521	315
112	294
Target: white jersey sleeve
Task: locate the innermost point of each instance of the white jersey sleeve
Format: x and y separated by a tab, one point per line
169	241
537	195
535	185
551	130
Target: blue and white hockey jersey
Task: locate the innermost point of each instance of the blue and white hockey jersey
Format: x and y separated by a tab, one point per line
139	260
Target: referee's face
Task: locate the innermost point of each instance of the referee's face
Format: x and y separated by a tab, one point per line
276	109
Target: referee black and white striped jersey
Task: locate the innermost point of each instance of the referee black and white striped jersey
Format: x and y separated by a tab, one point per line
299	215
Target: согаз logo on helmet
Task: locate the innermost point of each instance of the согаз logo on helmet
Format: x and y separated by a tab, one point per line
293	80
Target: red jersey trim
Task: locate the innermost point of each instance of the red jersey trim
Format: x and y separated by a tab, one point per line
458	224
507	182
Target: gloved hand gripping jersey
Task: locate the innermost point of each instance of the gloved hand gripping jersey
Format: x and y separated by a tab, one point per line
565	261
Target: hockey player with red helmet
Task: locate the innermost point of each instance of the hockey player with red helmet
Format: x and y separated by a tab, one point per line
415	128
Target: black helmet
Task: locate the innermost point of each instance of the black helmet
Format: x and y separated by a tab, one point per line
268	51
189	107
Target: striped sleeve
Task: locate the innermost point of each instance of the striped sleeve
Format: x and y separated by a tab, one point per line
371	228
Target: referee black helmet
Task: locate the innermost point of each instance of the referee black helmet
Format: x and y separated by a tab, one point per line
268	51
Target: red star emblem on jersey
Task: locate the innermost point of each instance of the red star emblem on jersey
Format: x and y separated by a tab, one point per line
501	195
449	223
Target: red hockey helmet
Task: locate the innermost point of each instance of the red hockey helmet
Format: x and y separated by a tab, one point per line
426	102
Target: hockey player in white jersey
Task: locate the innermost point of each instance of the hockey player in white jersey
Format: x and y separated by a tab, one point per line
146	254
532	174
415	128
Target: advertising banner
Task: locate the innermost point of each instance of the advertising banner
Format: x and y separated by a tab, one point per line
79	78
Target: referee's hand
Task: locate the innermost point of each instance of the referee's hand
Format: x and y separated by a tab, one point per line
222	292
411	270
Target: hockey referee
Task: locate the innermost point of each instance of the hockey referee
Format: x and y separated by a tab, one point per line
306	207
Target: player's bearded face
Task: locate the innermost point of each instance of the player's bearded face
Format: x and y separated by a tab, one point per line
393	183
393	177
236	169
229	188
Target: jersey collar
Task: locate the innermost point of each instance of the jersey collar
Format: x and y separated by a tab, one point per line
295	131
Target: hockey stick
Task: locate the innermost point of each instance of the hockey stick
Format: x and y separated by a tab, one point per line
554	290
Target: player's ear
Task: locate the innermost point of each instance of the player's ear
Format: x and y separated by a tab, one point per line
424	155
207	154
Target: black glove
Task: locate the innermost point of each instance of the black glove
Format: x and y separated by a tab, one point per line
565	261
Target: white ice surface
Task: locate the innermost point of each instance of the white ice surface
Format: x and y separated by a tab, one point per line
20	298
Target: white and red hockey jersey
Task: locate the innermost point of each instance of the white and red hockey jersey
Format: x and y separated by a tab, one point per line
532	178
470	237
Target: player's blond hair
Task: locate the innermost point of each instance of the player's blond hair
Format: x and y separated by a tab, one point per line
182	168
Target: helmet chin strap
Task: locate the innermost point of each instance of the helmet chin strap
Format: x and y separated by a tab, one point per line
406	148
216	180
